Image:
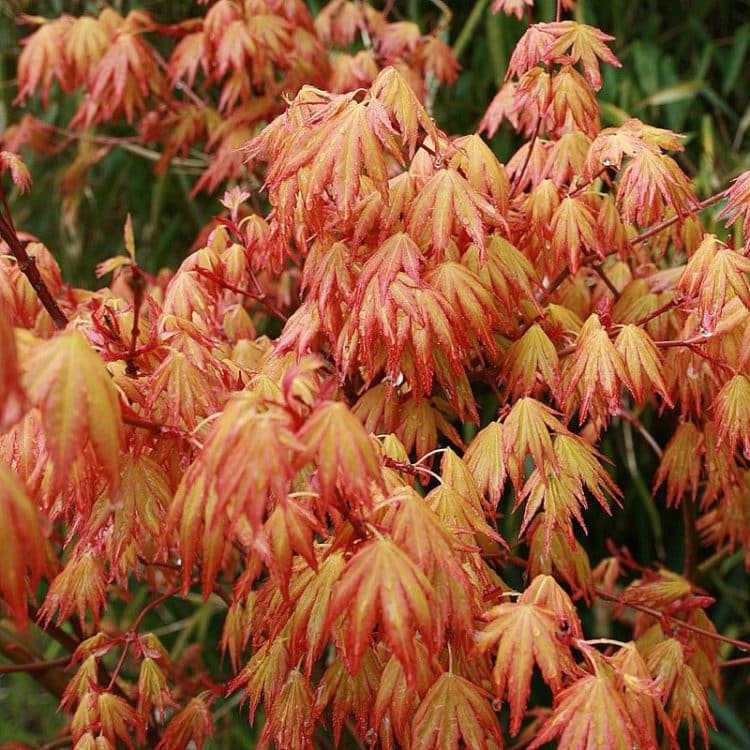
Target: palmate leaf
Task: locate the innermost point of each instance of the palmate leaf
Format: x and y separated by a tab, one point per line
349	695
532	358
680	690
643	363
382	585
592	713
190	726
576	42
649	185
454	714
712	274
221	489
79	586
732	413
485	457
522	634
575	232
447	204
526	431
22	545
681	464
393	91
42	60
597	368
469	298
342	451
69	383
396	702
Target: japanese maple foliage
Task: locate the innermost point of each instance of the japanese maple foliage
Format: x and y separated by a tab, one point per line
319	419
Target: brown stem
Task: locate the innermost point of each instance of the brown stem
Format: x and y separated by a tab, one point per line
35	666
180	85
66	741
27	265
532	142
735	662
740	645
603	276
666	307
138	286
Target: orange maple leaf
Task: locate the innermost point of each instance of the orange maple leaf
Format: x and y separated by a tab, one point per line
455	713
69	383
592	712
382	585
522	634
578	42
22	545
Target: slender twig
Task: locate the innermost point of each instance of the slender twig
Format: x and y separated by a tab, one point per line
532	142
35	666
163	430
260	296
118	667
666	307
744	661
680	624
66	741
603	276
647	436
27	265
180	85
677	217
130	144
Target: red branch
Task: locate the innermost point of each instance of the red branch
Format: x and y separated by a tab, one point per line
680	624
27	264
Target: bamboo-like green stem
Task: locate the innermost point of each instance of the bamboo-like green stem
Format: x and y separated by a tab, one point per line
467	32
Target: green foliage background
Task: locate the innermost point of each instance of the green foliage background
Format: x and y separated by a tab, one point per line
685	67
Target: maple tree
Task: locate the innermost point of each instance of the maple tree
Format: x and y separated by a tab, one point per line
368	415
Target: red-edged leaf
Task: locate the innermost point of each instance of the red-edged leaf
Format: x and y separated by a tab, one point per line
381	584
454	714
79	404
22	545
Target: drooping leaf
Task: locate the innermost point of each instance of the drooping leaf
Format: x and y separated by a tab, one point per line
342	450
382	585
521	635
455	713
13	401
69	383
22	545
592	713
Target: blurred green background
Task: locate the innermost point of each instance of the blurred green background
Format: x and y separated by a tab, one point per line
686	66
